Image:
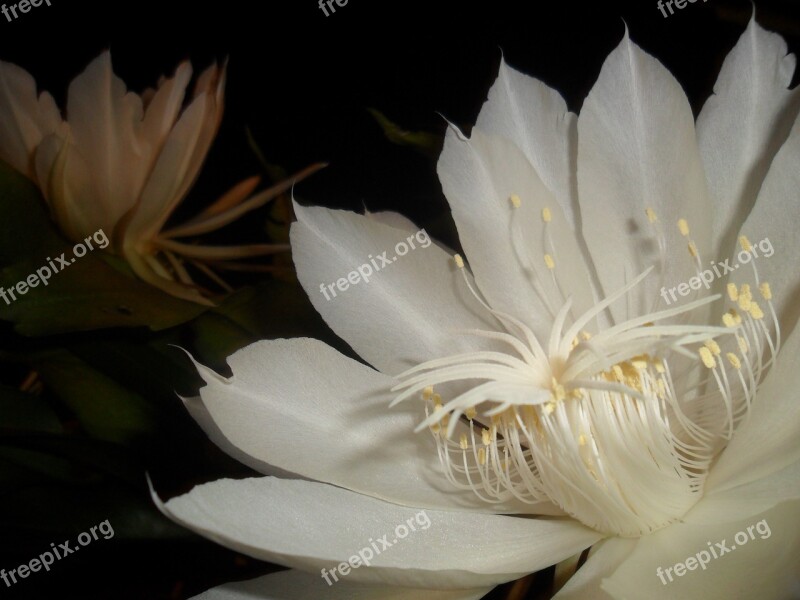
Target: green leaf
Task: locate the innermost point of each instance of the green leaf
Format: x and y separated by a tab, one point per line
105	409
95	291
428	144
78	457
26	412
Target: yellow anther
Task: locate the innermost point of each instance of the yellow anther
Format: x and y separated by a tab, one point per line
437	398
745	290
427	393
581	440
459	261
586	335
463	442
737	318
766	291
707	358
713	346
744	301
659	366
639	363
436	428
692	249
549	408
486	437
471	413
683	226
548	260
651	215
743	347
481	456
734	360
733	293
745	243
618	372
547	216
515	200
728	320
755	311
558	390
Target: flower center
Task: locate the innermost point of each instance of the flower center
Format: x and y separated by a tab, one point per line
617	425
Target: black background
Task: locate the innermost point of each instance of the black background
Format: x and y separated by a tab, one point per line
302	82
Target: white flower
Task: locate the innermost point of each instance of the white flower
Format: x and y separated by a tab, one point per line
562	403
123	162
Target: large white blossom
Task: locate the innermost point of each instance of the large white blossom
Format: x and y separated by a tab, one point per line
544	397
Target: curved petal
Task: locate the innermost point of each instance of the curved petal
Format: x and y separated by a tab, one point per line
403	309
104	121
331	421
174	172
637	150
767	441
771	227
604	560
743	125
535	118
297	585
507	245
765	566
24	118
392	219
164	107
200	414
311	526
736	503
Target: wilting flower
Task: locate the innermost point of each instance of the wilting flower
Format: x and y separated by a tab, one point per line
560	401
122	163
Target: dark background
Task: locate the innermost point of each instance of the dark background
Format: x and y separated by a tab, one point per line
302	83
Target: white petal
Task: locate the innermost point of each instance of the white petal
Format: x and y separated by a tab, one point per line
301	406
739	502
506	246
604	560
392	219
164	107
24	118
743	125
200	414
764	567
311	526
637	150
535	118
406	312
770	227
175	171
768	440
297	585
66	182
104	119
